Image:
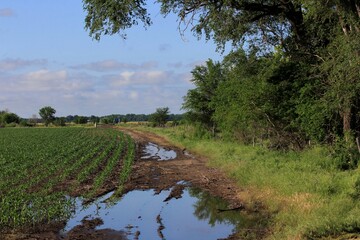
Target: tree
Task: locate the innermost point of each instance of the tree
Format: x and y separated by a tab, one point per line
94	119
47	114
33	120
80	120
160	117
60	122
198	101
8	117
104	121
222	20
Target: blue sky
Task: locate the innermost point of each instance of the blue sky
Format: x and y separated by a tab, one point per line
47	58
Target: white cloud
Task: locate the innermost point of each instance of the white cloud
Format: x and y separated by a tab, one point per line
113	65
141	78
44	81
10	64
6	12
73	92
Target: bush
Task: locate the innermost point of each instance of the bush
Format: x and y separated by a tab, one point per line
345	155
24	123
11	125
59	122
10	118
356	194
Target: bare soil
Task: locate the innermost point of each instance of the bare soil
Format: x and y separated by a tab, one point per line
158	175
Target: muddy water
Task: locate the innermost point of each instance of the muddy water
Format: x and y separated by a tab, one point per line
145	215
154	151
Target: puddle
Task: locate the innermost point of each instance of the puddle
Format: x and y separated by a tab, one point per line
153	150
145	215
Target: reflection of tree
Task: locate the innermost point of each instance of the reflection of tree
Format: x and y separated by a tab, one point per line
207	208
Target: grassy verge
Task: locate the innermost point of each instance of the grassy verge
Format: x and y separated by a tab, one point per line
309	197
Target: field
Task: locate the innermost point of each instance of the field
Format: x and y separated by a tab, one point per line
43	168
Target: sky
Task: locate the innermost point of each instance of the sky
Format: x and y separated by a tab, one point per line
47	58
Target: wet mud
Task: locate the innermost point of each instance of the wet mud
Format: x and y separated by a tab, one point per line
169	173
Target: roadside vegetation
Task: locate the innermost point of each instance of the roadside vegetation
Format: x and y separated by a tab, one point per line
42	167
305	192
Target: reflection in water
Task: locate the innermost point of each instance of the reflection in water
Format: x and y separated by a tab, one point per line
153	150
250	225
145	215
210	208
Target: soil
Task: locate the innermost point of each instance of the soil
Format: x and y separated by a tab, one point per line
158	175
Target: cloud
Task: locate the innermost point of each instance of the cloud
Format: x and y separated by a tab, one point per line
113	65
140	78
73	92
6	12
10	64
44	81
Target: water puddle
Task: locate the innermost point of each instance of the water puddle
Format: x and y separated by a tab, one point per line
146	215
154	151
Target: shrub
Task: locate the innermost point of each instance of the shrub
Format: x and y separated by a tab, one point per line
345	154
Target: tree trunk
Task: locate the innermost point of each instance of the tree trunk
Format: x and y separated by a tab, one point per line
358	143
346	116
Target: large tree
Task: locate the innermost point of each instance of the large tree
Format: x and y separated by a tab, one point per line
222	20
199	101
47	114
160	116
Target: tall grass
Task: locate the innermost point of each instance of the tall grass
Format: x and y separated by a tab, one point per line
307	194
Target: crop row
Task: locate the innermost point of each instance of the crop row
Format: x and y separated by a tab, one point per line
36	162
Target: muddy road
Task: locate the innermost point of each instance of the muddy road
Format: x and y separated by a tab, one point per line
170	173
152	173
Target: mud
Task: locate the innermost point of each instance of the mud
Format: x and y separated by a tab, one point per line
158	176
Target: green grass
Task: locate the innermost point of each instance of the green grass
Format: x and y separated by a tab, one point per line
309	198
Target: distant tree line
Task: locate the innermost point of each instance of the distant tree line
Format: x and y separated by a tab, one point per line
47	116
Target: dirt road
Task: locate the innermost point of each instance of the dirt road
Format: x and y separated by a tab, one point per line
160	175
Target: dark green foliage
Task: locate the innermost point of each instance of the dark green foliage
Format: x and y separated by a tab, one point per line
223	21
94	119
112	16
345	155
356	194
47	114
160	117
8	118
25	123
104	121
238	101
81	120
199	101
60	122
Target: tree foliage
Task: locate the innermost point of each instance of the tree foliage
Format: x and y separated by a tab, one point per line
199	101
160	117
8	117
47	114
